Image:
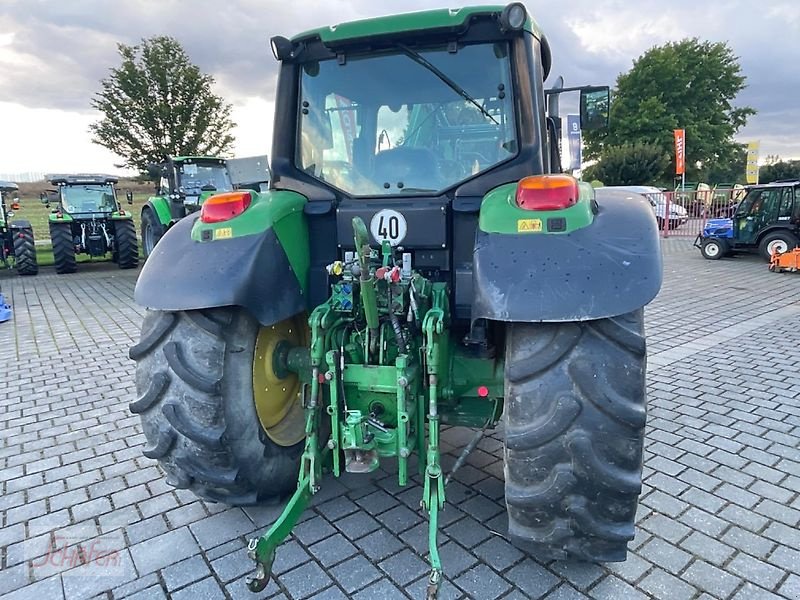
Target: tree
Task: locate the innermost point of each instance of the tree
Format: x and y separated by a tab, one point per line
779	169
687	85
157	103
629	164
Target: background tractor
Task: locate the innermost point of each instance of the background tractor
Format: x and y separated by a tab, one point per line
16	237
89	219
184	182
767	220
414	263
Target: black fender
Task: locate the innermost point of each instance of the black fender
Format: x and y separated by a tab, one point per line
251	271
19	224
608	268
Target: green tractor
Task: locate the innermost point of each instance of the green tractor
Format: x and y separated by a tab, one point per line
16	236
89	219
184	182
417	262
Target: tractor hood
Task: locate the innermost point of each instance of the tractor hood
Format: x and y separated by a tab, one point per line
718	228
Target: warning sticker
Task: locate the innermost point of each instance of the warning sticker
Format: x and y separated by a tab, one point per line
223	233
529	225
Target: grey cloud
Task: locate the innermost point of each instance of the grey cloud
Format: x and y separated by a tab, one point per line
72	43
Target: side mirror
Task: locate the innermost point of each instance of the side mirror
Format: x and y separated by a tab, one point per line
154	171
595	104
129	196
44	198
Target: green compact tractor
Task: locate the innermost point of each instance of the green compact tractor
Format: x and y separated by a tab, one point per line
89	219
184	182
417	262
16	236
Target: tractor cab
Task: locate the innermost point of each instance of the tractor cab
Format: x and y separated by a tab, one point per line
8	203
83	196
767	220
88	218
188	180
16	237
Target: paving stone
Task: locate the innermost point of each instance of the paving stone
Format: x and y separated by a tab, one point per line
163	550
355	573
708	548
185	572
709	578
380	590
334	549
612	588
498	553
305	580
404	567
665	555
207	589
378	545
482	582
661	584
755	571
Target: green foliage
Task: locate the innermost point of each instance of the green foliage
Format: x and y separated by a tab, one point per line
779	169
157	103
690	85
629	164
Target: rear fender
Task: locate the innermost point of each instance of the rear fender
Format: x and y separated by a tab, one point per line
608	267
258	260
160	206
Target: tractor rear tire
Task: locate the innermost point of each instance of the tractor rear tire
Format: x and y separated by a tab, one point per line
63	248
152	231
782	241
574	416
24	251
194	380
126	245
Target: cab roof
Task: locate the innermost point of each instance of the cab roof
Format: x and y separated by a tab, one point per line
82	179
8	186
445	19
181	159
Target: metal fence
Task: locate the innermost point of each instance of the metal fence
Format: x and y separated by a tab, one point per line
690	210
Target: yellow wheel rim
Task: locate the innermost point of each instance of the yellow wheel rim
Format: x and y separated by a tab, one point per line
277	395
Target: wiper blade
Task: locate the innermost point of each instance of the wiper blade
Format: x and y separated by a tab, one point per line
421	60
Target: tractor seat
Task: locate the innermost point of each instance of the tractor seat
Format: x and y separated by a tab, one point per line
411	167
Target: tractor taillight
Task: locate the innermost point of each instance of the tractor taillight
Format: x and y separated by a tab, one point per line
222	207
547	192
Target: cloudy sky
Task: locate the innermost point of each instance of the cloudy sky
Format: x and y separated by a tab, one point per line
54	52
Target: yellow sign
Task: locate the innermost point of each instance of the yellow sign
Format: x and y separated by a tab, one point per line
751	172
223	233
529	225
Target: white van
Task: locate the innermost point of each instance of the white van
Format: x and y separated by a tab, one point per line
658	200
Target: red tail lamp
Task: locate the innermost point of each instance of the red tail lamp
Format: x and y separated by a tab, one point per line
547	192
222	207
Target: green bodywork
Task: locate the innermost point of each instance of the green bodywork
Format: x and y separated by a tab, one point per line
385	372
278	210
415	22
500	213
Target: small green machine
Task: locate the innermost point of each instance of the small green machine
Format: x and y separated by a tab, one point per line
184	182
16	237
418	261
88	218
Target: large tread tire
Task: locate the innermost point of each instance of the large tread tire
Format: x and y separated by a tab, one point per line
575	415
194	374
24	251
152	231
63	248
127	247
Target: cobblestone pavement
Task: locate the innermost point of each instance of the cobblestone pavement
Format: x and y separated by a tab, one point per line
719	512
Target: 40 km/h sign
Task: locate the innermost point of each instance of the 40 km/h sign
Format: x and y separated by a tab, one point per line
388	225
